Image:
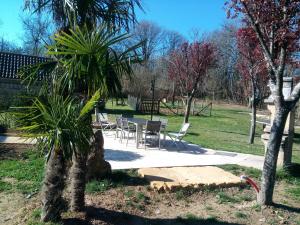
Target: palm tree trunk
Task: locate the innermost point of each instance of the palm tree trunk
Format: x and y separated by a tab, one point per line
97	167
265	196
53	186
78	181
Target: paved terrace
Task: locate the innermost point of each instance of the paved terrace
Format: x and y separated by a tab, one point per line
121	156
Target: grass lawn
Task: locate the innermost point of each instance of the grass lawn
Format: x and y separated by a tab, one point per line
227	129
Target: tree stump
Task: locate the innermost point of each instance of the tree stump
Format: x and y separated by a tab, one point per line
97	167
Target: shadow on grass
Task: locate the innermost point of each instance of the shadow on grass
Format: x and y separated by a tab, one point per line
293	170
124	112
101	215
118	178
287	208
13	151
297	138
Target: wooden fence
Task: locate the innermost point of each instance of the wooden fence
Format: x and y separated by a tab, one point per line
143	105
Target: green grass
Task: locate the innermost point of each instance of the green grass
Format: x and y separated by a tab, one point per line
222	198
116	179
22	175
240	215
34	219
227	129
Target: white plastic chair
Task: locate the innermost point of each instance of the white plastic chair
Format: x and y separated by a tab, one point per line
177	137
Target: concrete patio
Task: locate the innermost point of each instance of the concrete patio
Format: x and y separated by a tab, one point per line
121	156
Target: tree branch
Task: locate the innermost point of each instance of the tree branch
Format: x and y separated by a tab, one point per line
259	34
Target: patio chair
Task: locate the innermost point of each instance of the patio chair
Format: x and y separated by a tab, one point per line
104	122
153	129
164	124
119	128
177	137
127	128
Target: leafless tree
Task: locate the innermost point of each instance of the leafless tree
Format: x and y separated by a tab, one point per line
37	32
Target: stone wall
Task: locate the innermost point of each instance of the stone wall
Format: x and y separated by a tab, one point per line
10	92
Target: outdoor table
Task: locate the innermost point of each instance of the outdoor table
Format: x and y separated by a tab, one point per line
139	123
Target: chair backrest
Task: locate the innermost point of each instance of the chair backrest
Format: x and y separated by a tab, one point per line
184	128
153	126
119	122
102	117
124	122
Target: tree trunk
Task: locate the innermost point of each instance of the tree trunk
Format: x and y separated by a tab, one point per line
53	186
188	109
265	196
253	121
97	167
173	94
78	181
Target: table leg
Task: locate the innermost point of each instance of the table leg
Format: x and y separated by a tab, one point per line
137	139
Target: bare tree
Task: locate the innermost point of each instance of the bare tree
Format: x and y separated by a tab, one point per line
225	74
37	31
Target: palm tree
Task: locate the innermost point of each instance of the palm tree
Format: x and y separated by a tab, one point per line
90	63
87	56
85	61
62	127
115	14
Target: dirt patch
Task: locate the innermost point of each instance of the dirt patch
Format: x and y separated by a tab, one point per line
13	207
13	151
139	206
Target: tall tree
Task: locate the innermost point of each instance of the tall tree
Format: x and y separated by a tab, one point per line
88	71
224	78
85	61
188	66
150	34
172	40
277	27
116	14
254	72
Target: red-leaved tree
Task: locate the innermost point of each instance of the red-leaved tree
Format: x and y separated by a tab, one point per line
277	27
252	67
188	67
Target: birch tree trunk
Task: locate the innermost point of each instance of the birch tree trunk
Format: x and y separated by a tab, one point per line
265	196
253	123
188	109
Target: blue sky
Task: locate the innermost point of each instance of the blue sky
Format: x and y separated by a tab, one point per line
178	15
